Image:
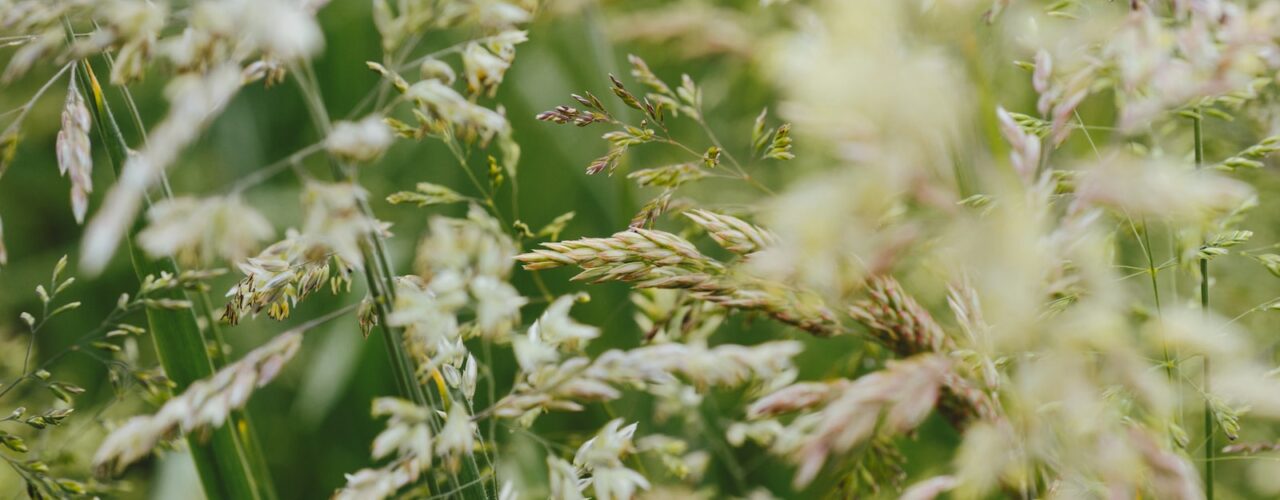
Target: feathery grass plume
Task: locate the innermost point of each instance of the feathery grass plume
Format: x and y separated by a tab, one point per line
549	384
205	403
282	275
627	255
796	397
73	153
967	307
671	176
1252	156
893	400
427	194
732	233
658	259
1025	153
896	320
196	231
1217	53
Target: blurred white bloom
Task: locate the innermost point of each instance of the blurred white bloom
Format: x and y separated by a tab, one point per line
497	305
476	246
359	142
1194	333
334	219
496	14
281	28
986	457
417	302
435	69
134	25
191	49
904	120
133	19
1157	189
197	230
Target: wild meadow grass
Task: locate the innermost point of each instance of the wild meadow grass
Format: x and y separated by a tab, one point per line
505	249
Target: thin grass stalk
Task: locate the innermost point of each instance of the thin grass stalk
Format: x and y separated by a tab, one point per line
241	423
1209	446
380	276
224	470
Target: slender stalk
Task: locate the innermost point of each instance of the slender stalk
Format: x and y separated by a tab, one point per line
1210	450
469	483
241	424
225	472
1144	240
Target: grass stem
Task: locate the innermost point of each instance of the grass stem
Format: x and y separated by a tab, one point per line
1210	450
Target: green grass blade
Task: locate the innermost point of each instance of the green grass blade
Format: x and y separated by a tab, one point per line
220	458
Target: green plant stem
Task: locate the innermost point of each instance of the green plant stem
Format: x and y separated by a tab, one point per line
242	425
380	276
1209	446
220	459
